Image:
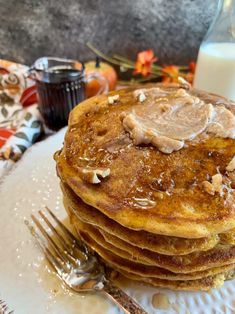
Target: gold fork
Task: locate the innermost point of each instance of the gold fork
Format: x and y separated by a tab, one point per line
75	263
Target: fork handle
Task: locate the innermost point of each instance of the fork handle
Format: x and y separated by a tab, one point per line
123	300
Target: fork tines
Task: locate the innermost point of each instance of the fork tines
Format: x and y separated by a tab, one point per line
4	308
62	249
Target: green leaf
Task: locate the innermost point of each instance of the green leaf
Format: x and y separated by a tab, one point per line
5	99
35	137
21	147
35	124
4	112
21	135
28	116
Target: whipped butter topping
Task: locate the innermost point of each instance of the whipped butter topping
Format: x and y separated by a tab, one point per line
166	119
223	123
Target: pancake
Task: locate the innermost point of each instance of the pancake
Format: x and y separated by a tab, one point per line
228	237
220	256
139	269
153	242
148	179
205	283
144	188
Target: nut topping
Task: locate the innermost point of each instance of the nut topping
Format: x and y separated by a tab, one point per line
217	182
94	175
184	83
141	97
208	187
113	99
215	186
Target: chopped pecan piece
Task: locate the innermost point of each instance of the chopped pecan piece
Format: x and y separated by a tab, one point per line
113	99
93	175
141	97
216	184
208	187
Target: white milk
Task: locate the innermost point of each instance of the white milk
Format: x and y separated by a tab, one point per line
215	71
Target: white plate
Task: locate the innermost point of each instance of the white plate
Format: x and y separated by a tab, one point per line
25	282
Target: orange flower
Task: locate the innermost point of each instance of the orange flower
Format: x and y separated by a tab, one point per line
188	77
192	67
170	74
144	62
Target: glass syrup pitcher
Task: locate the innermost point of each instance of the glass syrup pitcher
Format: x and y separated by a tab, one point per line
60	87
215	71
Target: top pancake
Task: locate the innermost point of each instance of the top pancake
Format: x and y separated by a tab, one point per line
147	189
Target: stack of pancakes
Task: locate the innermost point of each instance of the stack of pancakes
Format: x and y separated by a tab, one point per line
149	214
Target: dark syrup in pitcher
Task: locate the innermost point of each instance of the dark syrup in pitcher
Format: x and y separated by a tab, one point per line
60	89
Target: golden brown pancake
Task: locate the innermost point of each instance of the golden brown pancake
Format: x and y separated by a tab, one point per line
205	283
220	256
153	242
228	237
147	189
137	268
148	178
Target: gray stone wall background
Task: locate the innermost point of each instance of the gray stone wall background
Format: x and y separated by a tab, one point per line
173	28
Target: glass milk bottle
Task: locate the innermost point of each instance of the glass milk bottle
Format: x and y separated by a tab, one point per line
215	71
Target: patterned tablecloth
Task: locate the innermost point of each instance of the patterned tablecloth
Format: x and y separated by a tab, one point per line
20	120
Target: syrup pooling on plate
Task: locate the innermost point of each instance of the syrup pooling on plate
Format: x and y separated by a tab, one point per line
161	301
